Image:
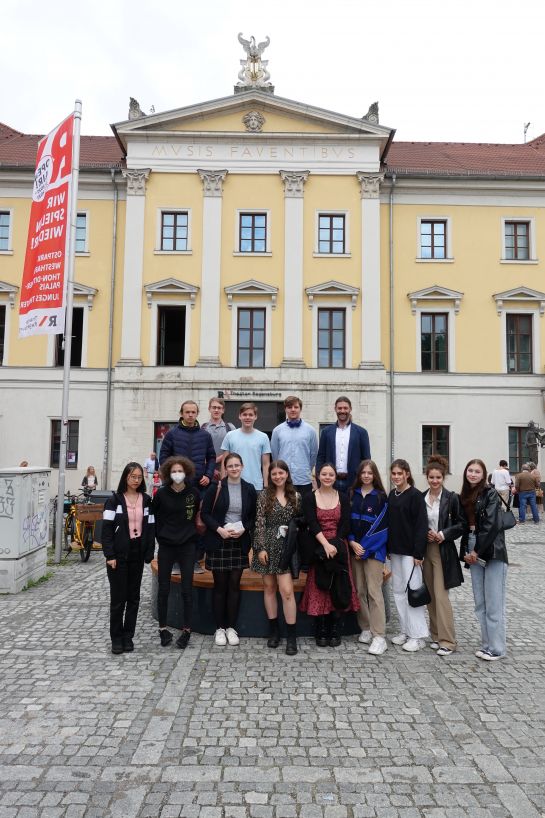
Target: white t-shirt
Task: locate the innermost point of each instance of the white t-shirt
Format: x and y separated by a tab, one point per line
250	446
501	479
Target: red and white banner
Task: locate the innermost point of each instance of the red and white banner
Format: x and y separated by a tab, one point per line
42	305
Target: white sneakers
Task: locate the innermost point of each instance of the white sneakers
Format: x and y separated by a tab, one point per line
378	646
413	645
232	636
400	639
365	637
223	637
220	637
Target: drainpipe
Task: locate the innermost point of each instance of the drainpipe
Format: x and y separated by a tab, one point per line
392	329
106	462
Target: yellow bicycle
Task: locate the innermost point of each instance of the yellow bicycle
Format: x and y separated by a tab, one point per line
79	525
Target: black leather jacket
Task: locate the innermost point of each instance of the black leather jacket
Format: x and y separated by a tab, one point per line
488	526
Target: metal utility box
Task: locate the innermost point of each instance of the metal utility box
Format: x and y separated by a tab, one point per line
24	526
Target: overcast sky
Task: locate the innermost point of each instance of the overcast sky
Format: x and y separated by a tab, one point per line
460	70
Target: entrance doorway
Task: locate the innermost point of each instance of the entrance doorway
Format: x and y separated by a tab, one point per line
170	336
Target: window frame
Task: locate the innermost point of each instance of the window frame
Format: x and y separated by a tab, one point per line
516	316
521	445
435	449
531	222
52	449
253	308
434	314
238	218
332	214
536	339
322	308
81	301
450	312
447	220
154	329
3	334
85	251
8	250
158	251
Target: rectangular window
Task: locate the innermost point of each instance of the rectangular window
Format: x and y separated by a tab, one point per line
2	332
4	230
174	230
518	451
331	338
331	233
71	447
519	343
433	238
77	341
434	341
81	233
435	440
251	338
170	336
517	241
252	233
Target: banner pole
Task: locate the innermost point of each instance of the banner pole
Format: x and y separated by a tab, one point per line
68	332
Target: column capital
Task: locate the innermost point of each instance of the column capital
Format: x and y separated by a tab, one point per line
212	181
369	184
294	182
136	181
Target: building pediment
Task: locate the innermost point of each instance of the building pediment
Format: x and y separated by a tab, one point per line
251	289
171	286
332	289
435	293
9	291
518	295
83	291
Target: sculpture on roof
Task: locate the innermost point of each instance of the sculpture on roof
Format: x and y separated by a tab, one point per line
253	72
535	438
135	111
372	114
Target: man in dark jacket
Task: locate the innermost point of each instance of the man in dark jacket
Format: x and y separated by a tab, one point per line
344	444
189	440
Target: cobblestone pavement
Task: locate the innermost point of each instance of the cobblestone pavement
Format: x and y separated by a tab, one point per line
237	732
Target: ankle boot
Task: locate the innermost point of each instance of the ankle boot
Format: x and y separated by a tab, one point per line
274	634
321	632
335	633
291	641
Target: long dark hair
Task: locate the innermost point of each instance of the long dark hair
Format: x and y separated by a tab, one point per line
289	489
469	493
377	480
404	466
122	487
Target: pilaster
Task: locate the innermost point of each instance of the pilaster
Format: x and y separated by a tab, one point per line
212	183
133	267
370	270
294	182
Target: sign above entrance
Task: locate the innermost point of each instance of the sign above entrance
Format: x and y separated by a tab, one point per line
231	394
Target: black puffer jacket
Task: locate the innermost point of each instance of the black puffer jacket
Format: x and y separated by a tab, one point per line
194	443
488	527
116	541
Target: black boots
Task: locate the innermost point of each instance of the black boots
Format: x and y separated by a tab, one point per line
291	641
274	634
336	629
321	632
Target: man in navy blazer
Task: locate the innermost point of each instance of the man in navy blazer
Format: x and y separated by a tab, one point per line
345	444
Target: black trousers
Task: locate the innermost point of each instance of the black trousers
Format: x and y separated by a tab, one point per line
167	556
125	581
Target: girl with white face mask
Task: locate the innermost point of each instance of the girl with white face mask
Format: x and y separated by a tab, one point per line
175	508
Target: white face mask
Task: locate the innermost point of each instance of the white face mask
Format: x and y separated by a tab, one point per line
177	477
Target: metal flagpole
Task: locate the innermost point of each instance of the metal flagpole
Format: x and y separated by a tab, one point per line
68	332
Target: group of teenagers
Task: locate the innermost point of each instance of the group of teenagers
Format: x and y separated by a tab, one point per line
251	511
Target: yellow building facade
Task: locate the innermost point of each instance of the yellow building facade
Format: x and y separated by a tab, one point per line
252	247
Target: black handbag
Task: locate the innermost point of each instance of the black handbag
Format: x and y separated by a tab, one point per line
417	596
508	519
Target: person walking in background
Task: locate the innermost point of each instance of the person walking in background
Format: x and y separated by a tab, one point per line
502	480
368	503
217	428
407	542
534	471
345	444
228	511
483	548
525	486
252	445
441	566
296	443
175	508
128	541
151	465
276	506
89	482
329	590
187	439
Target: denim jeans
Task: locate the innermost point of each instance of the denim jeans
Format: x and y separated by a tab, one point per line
528	497
489	595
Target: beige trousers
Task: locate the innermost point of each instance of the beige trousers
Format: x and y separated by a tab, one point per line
368	578
439	609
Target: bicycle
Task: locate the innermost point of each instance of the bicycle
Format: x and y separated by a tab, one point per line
79	523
